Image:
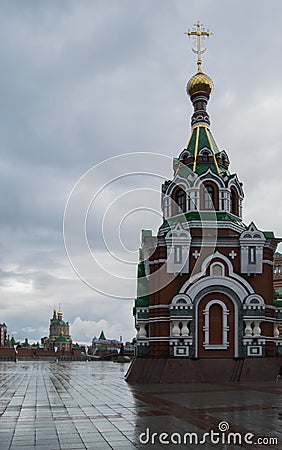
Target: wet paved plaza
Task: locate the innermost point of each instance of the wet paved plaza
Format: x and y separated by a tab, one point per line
88	405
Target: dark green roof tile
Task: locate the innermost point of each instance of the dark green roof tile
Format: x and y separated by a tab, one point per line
278	302
142	301
61	339
203	140
192	142
203	167
203	215
269	234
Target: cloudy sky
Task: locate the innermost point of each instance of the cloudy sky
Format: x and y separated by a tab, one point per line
85	81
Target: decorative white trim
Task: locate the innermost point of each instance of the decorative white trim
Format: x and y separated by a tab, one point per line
177	297
225	327
157	261
254	300
159	319
181	351
230	283
205	150
242	287
209	175
210	224
178	182
186	340
252	242
234	182
178	242
160	339
267	261
159	306
254	350
201	296
183	154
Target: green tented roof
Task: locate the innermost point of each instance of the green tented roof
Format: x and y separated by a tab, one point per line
192	142
102	336
203	216
202	137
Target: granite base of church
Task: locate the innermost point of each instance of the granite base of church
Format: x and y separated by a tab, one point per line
221	370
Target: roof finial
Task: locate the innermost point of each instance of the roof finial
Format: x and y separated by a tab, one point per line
199	33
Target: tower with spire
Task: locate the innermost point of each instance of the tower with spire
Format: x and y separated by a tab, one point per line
205	282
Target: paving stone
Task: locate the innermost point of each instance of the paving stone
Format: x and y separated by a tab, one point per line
89	406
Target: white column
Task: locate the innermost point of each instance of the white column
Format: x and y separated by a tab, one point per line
175	328
248	328
257	329
142	332
276	330
184	329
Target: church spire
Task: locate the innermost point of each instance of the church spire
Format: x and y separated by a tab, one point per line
200	86
202	152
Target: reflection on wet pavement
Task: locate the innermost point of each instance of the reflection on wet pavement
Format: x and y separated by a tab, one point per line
88	405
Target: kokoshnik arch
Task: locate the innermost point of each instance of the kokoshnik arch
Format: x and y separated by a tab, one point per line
205	282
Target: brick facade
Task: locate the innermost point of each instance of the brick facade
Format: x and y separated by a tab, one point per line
205	281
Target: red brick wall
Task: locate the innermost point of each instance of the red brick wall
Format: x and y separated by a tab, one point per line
7	351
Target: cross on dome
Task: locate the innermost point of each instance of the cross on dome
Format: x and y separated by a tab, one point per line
199	34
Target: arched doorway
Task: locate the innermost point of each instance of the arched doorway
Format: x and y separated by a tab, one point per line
217	328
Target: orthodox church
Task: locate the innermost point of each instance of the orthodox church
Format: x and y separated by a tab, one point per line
205	303
59	334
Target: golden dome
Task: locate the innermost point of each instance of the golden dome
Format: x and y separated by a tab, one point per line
200	83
